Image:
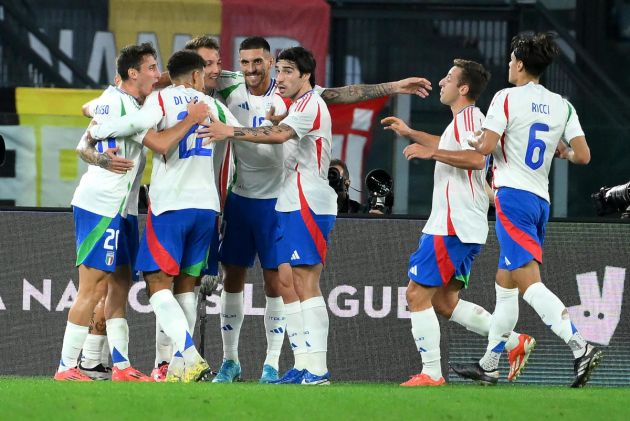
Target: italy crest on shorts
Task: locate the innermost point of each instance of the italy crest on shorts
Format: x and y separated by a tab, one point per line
109	258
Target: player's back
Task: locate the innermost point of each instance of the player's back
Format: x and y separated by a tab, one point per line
536	121
184	177
101	191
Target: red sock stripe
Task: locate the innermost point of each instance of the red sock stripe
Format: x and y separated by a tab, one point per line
161	256
445	265
311	225
519	236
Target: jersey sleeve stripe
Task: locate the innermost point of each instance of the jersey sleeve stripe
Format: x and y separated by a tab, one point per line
455	129
161	102
317	121
450	228
318	145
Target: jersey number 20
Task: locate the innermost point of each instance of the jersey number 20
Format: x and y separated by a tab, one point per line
536	145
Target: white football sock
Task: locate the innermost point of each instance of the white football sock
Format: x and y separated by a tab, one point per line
295	333
118	339
232	315
316	325
503	321
425	329
477	319
173	321
275	326
105	352
73	340
553	313
163	345
91	354
188	302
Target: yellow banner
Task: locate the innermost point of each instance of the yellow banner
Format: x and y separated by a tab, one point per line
167	22
57	122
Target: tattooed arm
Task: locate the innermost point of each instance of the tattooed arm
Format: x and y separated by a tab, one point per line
86	149
265	134
356	93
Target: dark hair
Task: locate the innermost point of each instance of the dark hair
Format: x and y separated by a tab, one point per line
340	163
303	60
536	51
131	57
202	41
184	62
254	43
474	75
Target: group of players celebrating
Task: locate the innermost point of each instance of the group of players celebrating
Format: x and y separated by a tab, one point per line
272	139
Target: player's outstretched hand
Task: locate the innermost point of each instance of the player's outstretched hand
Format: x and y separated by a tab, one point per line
414	86
109	161
397	125
416	150
214	131
275	119
198	111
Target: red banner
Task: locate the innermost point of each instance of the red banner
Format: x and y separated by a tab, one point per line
352	126
284	24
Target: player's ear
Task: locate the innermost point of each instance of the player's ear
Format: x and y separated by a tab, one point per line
133	73
463	90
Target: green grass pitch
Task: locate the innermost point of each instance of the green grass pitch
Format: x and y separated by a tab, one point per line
39	398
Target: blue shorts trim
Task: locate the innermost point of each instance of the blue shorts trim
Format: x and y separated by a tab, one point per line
105	243
248	229
439	259
177	242
295	241
521	223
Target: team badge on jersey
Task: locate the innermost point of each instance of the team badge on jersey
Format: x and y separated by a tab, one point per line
109	258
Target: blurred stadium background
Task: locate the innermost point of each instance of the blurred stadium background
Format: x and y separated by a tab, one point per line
54	56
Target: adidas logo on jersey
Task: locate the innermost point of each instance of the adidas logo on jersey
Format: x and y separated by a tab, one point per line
295	255
507	262
244	106
414	270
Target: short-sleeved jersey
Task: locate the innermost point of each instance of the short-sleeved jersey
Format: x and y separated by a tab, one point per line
460	202
101	191
306	170
258	167
184	177
531	120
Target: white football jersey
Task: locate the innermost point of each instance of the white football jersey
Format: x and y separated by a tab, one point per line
258	167
460	202
531	120
101	191
184	177
306	170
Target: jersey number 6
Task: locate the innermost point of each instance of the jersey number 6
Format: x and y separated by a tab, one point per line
536	145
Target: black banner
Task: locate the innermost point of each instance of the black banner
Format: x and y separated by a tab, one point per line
364	285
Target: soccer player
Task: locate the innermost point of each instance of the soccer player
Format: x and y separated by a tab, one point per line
457	227
249	217
208	49
184	204
105	233
522	131
306	204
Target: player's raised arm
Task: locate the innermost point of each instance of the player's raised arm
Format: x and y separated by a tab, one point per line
399	127
147	117
217	131
356	93
162	142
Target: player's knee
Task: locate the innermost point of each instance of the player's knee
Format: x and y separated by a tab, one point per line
444	305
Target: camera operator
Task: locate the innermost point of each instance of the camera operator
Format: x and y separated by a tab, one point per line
339	180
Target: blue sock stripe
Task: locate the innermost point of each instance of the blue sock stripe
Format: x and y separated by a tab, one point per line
499	347
117	357
189	341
